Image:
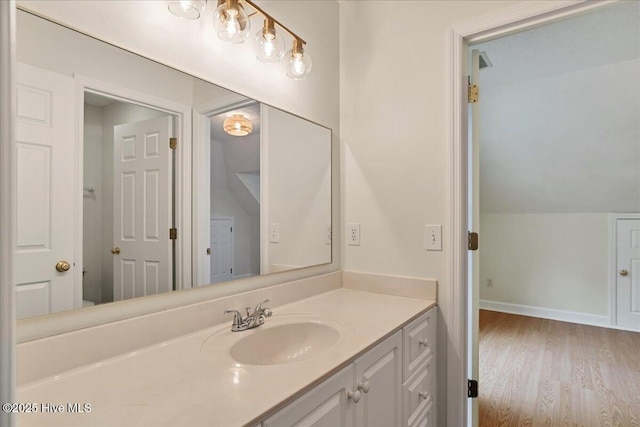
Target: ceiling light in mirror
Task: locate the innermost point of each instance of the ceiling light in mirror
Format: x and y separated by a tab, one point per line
299	62
269	44
231	22
238	125
188	9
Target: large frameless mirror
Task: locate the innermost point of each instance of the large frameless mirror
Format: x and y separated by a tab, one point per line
135	179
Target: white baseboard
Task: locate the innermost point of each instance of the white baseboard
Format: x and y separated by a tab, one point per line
548	313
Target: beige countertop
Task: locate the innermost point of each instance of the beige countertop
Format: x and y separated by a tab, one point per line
193	381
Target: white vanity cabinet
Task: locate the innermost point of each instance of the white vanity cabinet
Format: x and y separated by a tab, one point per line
393	384
327	405
419	362
364	394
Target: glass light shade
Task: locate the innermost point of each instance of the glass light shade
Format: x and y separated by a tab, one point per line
298	62
237	125
188	9
231	22
269	45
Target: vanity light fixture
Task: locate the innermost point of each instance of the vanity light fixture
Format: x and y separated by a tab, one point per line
269	44
299	62
231	21
237	125
188	9
232	24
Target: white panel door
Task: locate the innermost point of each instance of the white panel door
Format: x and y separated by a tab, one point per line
45	162
379	378
628	266
221	249
142	202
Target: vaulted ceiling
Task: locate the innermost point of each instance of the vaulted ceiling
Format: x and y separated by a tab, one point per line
560	116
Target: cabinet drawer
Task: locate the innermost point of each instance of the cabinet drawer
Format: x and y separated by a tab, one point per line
419	393
419	341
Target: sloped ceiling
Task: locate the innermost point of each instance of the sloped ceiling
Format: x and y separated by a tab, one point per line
560	116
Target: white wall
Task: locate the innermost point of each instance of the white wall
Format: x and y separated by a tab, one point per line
394	100
298	188
555	261
92	246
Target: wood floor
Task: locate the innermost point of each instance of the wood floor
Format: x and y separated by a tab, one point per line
538	372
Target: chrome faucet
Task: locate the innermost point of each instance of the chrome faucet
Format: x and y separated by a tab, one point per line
253	320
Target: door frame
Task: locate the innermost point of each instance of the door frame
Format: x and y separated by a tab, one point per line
181	172
201	176
613	270
511	20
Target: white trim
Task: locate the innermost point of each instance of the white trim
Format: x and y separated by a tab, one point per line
546	313
264	197
7	230
513	19
612	274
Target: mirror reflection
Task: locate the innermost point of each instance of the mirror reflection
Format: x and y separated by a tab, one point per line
136	179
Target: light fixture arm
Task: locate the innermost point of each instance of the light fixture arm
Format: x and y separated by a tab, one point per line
266	15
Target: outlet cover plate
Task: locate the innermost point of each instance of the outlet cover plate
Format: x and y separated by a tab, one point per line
353	238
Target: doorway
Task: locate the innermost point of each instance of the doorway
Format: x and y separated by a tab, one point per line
517	18
555	134
128	200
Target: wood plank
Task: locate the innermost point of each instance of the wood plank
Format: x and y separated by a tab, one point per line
540	372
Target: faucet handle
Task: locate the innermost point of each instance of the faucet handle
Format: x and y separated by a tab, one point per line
259	306
237	317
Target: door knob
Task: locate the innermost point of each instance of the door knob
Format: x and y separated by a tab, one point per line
354	395
365	386
63	266
623	272
115	251
423	395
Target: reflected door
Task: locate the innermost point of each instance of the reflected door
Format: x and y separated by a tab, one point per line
221	249
628	274
45	162
142	202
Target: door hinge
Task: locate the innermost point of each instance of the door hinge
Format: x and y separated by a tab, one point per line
231	230
173	143
232	271
472	94
173	233
472	388
472	239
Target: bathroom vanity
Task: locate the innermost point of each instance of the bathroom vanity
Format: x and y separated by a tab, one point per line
343	357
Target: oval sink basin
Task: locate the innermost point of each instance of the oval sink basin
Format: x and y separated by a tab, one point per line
285	343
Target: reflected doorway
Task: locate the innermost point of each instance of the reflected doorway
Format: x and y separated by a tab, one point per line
128	200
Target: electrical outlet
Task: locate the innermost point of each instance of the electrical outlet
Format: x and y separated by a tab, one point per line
274	233
328	234
489	283
354	234
433	237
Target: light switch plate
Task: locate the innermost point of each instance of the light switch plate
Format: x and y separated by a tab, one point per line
433	237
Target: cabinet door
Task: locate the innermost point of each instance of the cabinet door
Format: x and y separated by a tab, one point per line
378	377
419	341
419	395
326	405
